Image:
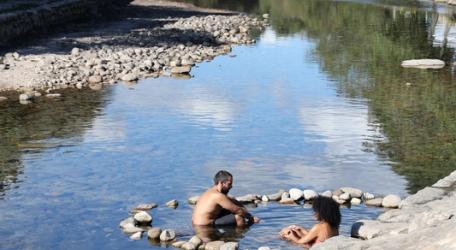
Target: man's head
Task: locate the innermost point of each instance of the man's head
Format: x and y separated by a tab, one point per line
223	179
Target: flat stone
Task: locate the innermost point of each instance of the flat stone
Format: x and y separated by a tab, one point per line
55	95
179	244
391	201
296	194
131	228
127	221
309	194
229	246
248	198
154	233
129	77
276	196
193	200
423	64
136	236
167	235
354	192
423	196
368	229
181	69
145	207
376	202
214	245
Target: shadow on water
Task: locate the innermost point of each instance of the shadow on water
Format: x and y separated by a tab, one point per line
59	122
361	47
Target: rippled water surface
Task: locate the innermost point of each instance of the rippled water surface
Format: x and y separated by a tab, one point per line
318	103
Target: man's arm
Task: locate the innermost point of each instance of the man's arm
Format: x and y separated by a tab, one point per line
228	204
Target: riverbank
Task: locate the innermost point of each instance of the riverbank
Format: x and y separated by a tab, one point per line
149	39
425	220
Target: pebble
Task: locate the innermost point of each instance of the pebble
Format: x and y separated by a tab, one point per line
167	235
154	233
172	203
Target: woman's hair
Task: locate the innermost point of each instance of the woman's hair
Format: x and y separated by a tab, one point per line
327	210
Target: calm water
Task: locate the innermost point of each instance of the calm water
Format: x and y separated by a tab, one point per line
319	102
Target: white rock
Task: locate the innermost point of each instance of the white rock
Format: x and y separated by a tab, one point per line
376	202
355	201
188	246
265	16
172	203
327	194
309	194
136	236
95	79
265	198
131	228
368	229
193	200
143	217
126	222
2	98
196	241
181	69
54	95
345	196
368	196
423	64
25	97
179	244
154	233
167	235
391	201
276	196
354	192
129	77
75	52
287	201
214	245
264	248
229	246
295	194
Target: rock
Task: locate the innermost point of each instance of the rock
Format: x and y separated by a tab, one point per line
368	196
75	52
285	195
423	64
229	246
423	196
202	246
277	196
287	201
143	218
129	77
79	85
391	201
337	192
154	233
136	236
338	200
95	79
179	244
354	192
295	194
265	198
16	55
25	97
167	235
243	29
376	202
95	86
196	241
2	98
126	222
264	248
172	203
181	70
193	200
310	194
145	207
368	229
355	201
54	95
345	196
188	246
131	228
341	242
265	16
248	198
214	245
327	194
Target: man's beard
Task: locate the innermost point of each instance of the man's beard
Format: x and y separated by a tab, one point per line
225	191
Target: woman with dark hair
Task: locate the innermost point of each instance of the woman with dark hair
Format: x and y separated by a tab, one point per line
327	212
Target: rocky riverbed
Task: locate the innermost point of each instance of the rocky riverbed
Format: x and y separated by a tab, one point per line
171	49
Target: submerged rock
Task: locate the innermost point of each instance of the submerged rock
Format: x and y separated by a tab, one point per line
423	64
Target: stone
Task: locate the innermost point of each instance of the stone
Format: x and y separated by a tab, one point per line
127	221
243	29
196	241
337	192
193	200
338	200
188	246
179	244
75	52
296	194
154	233
276	196
264	248
368	229
136	236
95	79
423	196
309	194
145	207
376	202
214	245
368	196
285	195
95	86
391	201
345	196
423	64
167	235
229	246
2	98
327	194
355	201
129	77
131	229
181	69
354	192
54	95
343	243
202	246
287	201
265	16
265	198
248	198
25	97
143	218
172	203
